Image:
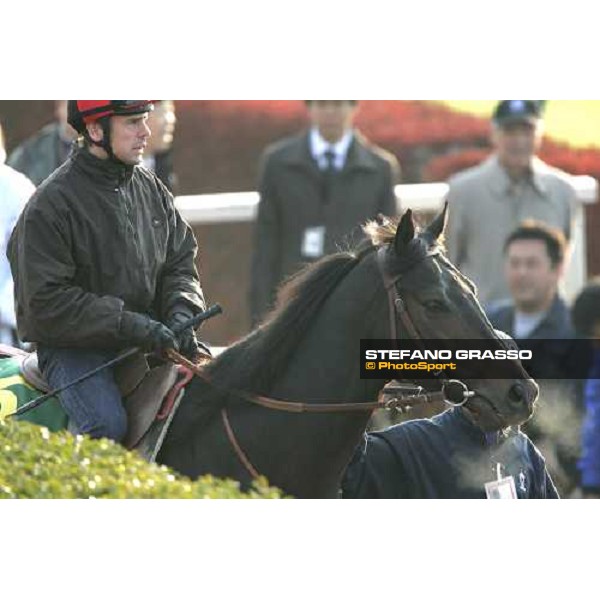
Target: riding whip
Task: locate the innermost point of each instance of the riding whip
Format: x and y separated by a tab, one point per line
214	310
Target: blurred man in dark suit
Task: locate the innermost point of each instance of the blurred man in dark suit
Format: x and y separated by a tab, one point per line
316	189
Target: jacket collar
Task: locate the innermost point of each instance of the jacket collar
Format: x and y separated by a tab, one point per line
457	417
319	146
556	322
358	157
501	183
107	172
558	312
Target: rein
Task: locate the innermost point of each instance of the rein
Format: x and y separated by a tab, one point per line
453	391
401	403
304	407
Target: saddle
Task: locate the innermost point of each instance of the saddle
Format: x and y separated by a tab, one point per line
150	395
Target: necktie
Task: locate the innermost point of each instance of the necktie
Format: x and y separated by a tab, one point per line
330	160
328	174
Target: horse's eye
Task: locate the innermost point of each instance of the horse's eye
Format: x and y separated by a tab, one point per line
435	306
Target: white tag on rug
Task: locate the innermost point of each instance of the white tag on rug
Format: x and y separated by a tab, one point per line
502	489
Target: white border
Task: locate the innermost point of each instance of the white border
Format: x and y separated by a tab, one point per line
256	50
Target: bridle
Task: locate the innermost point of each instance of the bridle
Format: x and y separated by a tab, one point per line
453	391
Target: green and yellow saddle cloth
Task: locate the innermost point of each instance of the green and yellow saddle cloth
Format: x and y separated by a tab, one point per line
16	392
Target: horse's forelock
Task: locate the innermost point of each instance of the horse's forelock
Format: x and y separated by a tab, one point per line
383	231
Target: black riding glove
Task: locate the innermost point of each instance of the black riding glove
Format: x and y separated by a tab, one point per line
188	343
140	330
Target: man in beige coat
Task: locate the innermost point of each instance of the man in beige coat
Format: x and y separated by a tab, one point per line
490	200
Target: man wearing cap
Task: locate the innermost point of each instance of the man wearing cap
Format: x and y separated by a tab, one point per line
490	200
316	189
102	261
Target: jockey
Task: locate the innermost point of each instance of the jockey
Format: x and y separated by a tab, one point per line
102	260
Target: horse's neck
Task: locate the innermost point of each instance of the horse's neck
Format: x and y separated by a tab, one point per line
326	368
306	454
325	365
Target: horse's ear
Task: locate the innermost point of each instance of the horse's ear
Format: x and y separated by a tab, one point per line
437	226
405	232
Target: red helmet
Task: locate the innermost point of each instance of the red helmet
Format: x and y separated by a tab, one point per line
82	112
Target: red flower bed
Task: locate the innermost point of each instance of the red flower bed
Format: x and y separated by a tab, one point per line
576	162
398	122
218	142
402	124
572	160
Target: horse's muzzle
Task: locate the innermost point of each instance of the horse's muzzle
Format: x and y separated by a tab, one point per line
523	394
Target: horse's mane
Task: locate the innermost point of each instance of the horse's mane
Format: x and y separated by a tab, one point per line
255	361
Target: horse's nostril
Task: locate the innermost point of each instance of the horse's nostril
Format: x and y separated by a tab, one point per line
517	394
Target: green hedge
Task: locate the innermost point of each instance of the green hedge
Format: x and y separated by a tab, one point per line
35	463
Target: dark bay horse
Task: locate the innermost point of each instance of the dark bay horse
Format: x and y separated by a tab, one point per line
307	350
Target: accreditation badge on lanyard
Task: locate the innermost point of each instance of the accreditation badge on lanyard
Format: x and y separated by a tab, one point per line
313	242
503	488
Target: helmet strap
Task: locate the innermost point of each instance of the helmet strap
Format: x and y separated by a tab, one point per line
106	142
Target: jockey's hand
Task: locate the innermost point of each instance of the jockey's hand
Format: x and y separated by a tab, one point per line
189	345
162	338
140	330
188	342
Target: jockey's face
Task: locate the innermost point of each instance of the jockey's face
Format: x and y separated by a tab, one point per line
129	136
